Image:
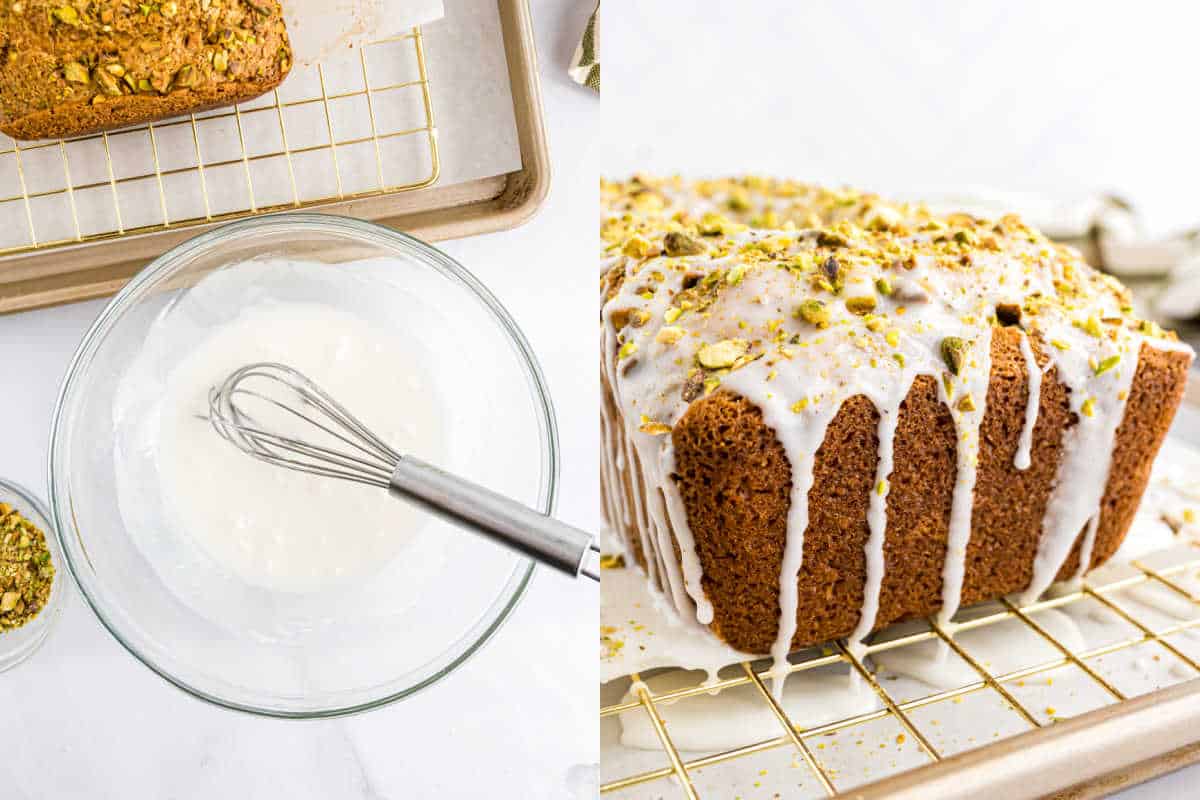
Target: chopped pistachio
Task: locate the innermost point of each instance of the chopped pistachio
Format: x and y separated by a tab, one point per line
1149	328
1105	364
814	312
636	247
899	357
712	224
875	324
672	313
710	384
185	77
966	403
832	271
1090	326
881	488
828	238
799	405
861	304
66	15
735	275
719	355
75	72
954	353
26	571
1088	408
892	337
680	244
743	360
107	83
883	286
884	218
1060	344
627	349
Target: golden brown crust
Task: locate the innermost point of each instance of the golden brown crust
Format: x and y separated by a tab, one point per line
78	67
79	119
735	480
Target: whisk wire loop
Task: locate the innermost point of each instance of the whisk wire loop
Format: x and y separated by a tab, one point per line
365	459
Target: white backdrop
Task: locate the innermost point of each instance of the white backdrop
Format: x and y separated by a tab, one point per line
1062	98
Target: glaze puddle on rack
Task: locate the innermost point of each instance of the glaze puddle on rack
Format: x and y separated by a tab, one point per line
917	695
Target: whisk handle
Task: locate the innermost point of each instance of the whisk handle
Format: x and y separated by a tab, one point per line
503	520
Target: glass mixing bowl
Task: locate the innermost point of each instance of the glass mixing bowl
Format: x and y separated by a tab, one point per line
18	645
286	653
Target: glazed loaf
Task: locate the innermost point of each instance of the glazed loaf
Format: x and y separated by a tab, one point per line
72	67
797	450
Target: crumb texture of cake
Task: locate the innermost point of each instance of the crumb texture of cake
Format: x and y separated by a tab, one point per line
73	67
824	412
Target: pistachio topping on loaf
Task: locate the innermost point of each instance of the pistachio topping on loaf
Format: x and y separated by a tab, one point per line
69	67
805	302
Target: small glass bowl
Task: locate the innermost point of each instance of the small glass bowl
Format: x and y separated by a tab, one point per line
332	661
19	644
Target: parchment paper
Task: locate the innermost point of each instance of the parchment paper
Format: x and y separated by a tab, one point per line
321	28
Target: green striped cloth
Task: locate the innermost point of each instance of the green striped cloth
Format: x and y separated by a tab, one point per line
585	66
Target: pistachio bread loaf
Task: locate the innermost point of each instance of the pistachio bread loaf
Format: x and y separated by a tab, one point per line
823	412
72	67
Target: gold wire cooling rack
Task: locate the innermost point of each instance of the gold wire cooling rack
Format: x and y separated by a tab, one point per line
343	130
913	724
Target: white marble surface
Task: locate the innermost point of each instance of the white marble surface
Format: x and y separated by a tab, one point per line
1061	98
83	719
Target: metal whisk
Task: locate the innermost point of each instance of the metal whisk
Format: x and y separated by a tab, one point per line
297	425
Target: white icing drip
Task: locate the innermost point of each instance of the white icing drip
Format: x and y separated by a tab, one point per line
1086	456
641	631
1025	444
801	438
974	380
889	416
621	461
662	518
613	500
693	573
662	534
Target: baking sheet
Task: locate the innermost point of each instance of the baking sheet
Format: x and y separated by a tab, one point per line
493	118
473	103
